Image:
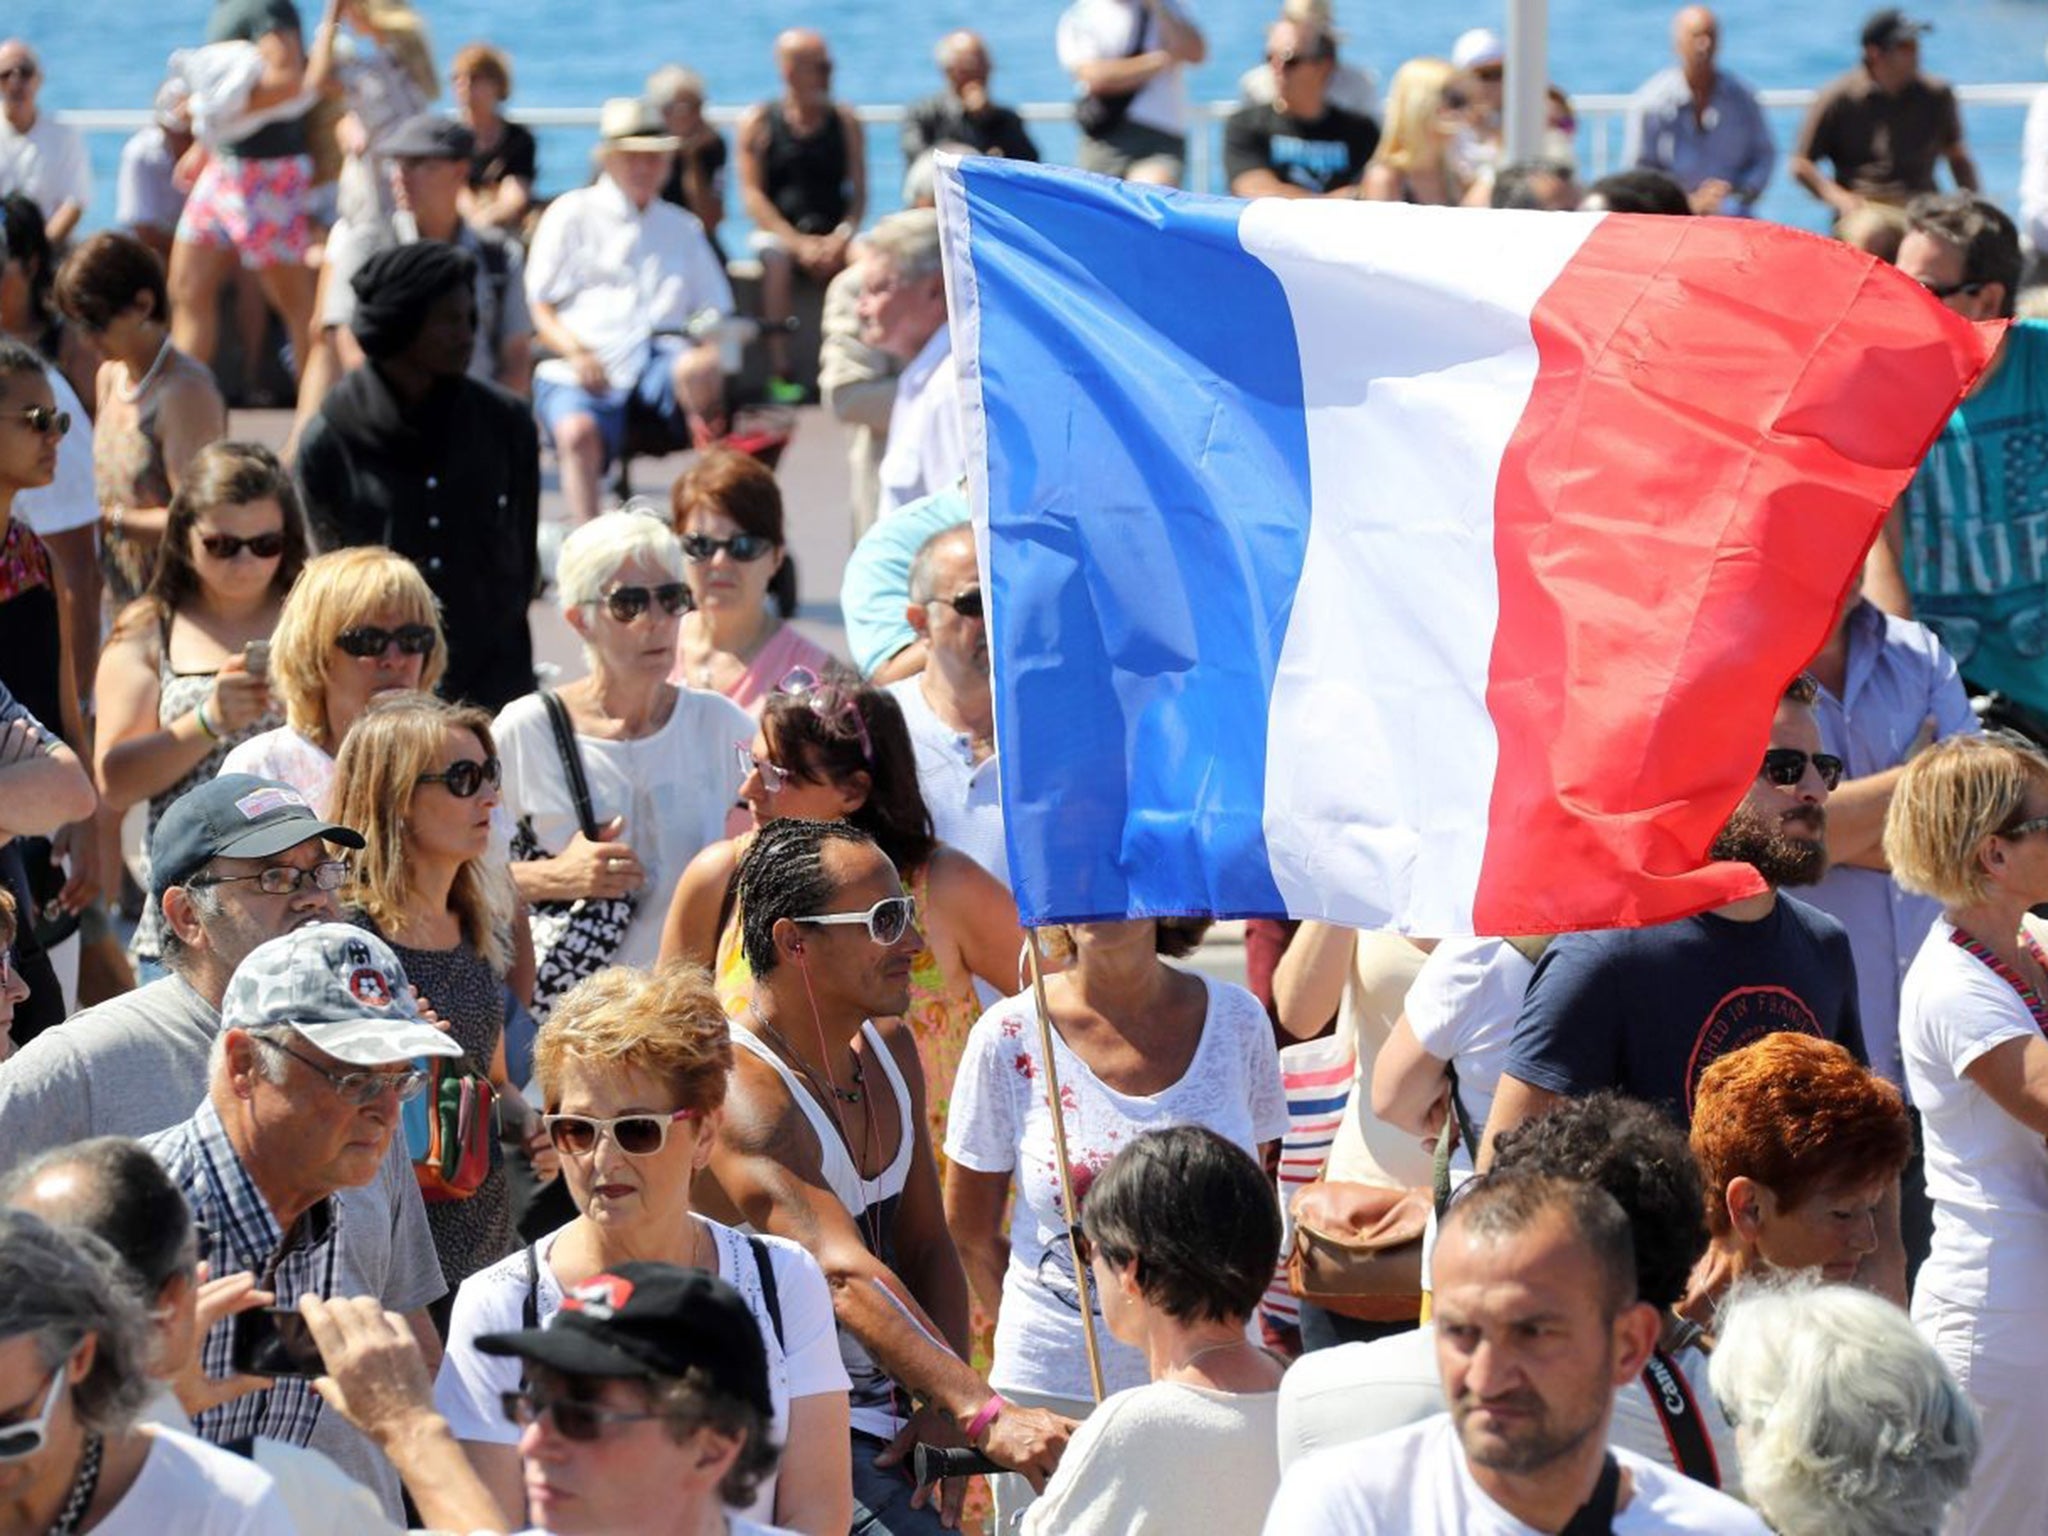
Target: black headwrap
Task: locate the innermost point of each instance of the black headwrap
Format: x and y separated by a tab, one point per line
396	288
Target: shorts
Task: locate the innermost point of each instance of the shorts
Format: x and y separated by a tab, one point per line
254	207
1129	145
651	399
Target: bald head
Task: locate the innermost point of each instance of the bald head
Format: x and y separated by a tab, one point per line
109	1186
1696	38
20	77
962	56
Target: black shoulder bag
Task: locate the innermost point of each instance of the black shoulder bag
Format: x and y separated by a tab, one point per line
1096	114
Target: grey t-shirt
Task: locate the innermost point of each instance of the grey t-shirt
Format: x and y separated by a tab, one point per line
501	312
137	1065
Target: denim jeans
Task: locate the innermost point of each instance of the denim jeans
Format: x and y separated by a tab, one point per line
881	1496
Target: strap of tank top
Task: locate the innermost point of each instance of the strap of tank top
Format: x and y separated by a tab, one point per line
837	1163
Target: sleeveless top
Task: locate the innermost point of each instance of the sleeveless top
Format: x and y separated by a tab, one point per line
128	471
31	647
870	1202
806	177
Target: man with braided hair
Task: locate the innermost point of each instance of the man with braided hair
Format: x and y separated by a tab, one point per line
823	1142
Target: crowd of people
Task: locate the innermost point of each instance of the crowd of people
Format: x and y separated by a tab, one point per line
626	1105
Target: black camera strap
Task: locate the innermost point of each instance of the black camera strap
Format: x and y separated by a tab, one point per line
1595	1517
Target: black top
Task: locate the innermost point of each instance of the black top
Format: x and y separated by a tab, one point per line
31	672
249	21
941	119
515	154
806	178
1318	155
707	160
455	488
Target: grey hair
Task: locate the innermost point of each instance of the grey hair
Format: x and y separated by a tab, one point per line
267	1065
950	45
908	241
594	553
671	81
62	1287
921	579
178	956
1847	1421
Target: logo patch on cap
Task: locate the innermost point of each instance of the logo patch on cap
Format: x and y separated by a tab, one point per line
366	984
259	803
599	1298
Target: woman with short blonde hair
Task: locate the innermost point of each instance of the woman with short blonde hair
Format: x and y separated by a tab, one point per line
1413	163
632	1067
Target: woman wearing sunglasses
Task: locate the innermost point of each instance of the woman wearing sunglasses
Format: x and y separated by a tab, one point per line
728	511
633	1070
357	624
418	777
658	760
176	692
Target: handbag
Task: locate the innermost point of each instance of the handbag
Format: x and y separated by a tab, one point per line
1096	115
451	1130
571	939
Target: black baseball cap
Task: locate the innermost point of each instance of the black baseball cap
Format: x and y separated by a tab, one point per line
428	136
237	816
1891	26
650	1321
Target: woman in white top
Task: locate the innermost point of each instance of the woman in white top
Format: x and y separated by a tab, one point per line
1140	1045
1181	1229
1968	825
633	1068
357	623
660	761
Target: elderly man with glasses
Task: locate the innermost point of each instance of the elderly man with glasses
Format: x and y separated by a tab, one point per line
39	156
319	1046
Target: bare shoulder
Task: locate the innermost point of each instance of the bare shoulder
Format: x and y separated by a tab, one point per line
902	1045
761	1120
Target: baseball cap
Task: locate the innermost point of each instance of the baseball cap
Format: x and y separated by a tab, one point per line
236	815
428	136
342	988
1891	26
1479	47
649	1321
634	123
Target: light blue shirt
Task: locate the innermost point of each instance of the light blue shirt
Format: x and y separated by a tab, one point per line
874	589
1731	143
1898	679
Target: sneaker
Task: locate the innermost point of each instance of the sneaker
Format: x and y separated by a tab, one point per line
781	391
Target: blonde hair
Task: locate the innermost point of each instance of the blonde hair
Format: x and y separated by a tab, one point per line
668	1024
1950	798
398	739
403	34
333	593
1414	98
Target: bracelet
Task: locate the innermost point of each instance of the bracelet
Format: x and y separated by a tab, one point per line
987	1416
206	727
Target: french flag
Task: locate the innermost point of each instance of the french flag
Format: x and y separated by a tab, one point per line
1414	568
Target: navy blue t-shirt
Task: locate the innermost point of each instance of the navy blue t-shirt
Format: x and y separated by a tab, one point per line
1646	1010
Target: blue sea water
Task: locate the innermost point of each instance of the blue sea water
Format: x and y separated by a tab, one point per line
110	53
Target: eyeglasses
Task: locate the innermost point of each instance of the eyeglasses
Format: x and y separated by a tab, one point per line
1950	290
357	1088
1287	61
1786	766
45	420
886	921
366	641
18	1442
2021	828
700	547
225	546
464	777
634	1135
18	72
627	603
774	777
829	702
285	879
967	604
572	1420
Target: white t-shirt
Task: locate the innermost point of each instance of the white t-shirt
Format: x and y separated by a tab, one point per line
70	500
471	1385
1126	1471
1093	30
617	274
1415	1482
998	1124
674	789
926	453
319	1498
48	163
1986	1173
1463	1008
196	1489
1335	1396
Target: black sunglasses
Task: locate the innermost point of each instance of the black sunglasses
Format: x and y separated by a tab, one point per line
627	603
700	547
967	604
1786	766
464	777
366	640
582	1422
45	420
1950	290
225	546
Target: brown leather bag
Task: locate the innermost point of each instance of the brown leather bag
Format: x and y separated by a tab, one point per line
1358	1250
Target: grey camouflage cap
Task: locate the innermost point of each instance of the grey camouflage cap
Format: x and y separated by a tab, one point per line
339	986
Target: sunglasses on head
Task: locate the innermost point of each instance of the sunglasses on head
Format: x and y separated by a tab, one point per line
886	921
640	1135
965	603
225	546
700	547
627	603
582	1422
366	640
21	1440
45	420
1786	766
465	776
828	701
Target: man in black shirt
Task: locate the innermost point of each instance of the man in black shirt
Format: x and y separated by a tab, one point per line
963	112
1300	145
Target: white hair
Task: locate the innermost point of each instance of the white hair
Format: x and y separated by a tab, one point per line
593	554
908	241
671	81
1847	1421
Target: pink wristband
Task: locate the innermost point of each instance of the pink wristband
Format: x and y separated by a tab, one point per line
986	1416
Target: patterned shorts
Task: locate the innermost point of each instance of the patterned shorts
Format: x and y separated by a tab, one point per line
256	207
